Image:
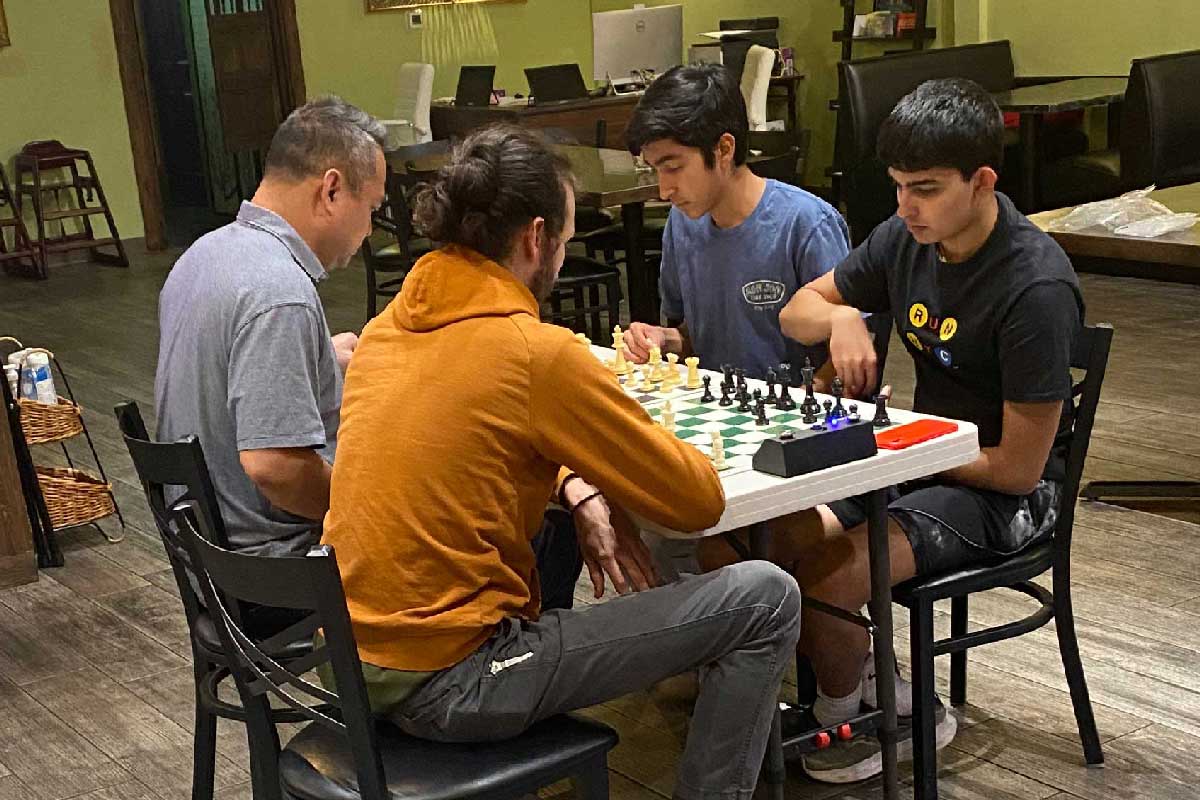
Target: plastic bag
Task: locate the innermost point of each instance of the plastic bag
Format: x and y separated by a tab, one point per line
1157	226
1132	214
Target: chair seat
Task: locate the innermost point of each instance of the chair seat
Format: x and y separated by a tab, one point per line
1014	569
579	269
1081	179
317	762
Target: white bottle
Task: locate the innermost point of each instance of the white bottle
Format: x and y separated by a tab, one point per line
43	381
12	375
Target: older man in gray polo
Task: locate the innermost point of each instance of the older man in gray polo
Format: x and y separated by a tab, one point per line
246	360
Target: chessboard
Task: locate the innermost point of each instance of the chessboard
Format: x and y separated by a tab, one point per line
741	435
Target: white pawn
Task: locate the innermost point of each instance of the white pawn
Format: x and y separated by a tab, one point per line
718	449
667	419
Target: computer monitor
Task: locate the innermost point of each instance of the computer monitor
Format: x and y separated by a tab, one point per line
626	42
474	86
555	84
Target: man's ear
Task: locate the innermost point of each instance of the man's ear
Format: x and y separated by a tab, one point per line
332	184
726	146
984	178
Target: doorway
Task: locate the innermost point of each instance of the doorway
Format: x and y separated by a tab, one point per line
180	65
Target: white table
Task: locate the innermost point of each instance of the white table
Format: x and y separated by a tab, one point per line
753	499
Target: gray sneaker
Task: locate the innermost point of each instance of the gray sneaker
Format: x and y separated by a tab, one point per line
903	688
861	757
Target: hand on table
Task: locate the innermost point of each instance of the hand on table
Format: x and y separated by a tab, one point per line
641	337
852	351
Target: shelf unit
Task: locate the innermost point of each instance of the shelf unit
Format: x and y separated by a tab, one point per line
917	37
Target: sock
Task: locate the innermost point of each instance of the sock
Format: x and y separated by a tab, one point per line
832	710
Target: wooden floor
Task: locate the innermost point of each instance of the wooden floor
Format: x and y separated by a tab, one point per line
95	679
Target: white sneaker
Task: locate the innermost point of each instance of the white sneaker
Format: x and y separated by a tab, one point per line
903	688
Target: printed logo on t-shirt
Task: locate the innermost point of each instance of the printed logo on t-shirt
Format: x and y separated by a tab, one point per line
943	355
918	315
763	293
927	325
948	329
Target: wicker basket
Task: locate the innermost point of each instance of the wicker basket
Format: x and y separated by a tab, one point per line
74	497
45	423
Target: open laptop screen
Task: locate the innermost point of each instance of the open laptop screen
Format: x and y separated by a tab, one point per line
474	86
556	84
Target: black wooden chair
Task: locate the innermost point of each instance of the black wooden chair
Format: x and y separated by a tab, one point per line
388	265
182	464
1090	354
580	274
345	752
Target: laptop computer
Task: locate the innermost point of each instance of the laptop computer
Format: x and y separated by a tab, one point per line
556	84
474	86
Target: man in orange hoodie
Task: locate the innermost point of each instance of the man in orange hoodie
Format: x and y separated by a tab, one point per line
463	414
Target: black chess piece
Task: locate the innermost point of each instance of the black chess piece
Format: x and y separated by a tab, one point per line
854	412
808	415
725	398
838	390
740	374
760	409
881	416
828	406
809	407
785	401
771	398
707	397
743	401
727	371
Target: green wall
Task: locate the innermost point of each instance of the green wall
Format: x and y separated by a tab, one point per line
1088	37
357	55
59	80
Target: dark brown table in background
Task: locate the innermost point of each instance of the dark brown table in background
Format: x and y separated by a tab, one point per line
577	117
609	178
1033	102
1180	251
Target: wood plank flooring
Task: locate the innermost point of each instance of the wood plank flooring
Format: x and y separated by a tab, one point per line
95	683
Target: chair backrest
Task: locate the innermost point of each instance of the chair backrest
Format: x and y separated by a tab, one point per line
1160	122
309	583
180	464
756	80
414	95
1090	355
868	90
779	155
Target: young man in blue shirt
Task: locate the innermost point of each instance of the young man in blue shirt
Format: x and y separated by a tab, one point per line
736	247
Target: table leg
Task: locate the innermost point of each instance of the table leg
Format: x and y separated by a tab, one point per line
881	615
1030	128
792	123
643	293
774	771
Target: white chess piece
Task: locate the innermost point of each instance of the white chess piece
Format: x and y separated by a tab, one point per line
667	419
693	372
718	449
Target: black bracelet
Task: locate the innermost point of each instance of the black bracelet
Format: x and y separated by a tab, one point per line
575	507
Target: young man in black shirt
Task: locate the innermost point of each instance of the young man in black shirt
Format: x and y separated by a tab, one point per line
987	306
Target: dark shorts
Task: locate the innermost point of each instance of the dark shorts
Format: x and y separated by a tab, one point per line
951	526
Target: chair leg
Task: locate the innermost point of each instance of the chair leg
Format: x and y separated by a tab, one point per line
591	782
204	751
594	330
263	739
612	293
774	771
924	723
958	661
1068	647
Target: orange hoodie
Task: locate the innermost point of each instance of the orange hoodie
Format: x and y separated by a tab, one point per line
459	409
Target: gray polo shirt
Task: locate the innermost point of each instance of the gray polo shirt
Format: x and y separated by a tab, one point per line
245	362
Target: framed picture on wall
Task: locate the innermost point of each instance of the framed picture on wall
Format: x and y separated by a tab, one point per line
397	5
4	40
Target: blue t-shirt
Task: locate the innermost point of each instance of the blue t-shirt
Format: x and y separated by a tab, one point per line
729	284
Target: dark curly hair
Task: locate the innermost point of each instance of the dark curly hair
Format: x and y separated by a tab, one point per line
694	106
497	180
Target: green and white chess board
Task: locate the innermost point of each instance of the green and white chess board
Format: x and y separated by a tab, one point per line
741	436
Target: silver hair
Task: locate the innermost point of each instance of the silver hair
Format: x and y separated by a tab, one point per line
327	133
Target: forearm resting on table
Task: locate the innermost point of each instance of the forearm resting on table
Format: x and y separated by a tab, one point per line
294	479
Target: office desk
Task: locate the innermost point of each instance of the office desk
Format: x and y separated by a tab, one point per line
607	178
1033	102
577	117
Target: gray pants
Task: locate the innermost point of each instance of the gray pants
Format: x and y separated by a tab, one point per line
738	626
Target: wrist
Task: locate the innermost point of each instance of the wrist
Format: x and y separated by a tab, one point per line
589	497
574	489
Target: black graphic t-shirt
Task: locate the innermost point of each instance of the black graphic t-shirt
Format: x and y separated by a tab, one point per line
996	327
